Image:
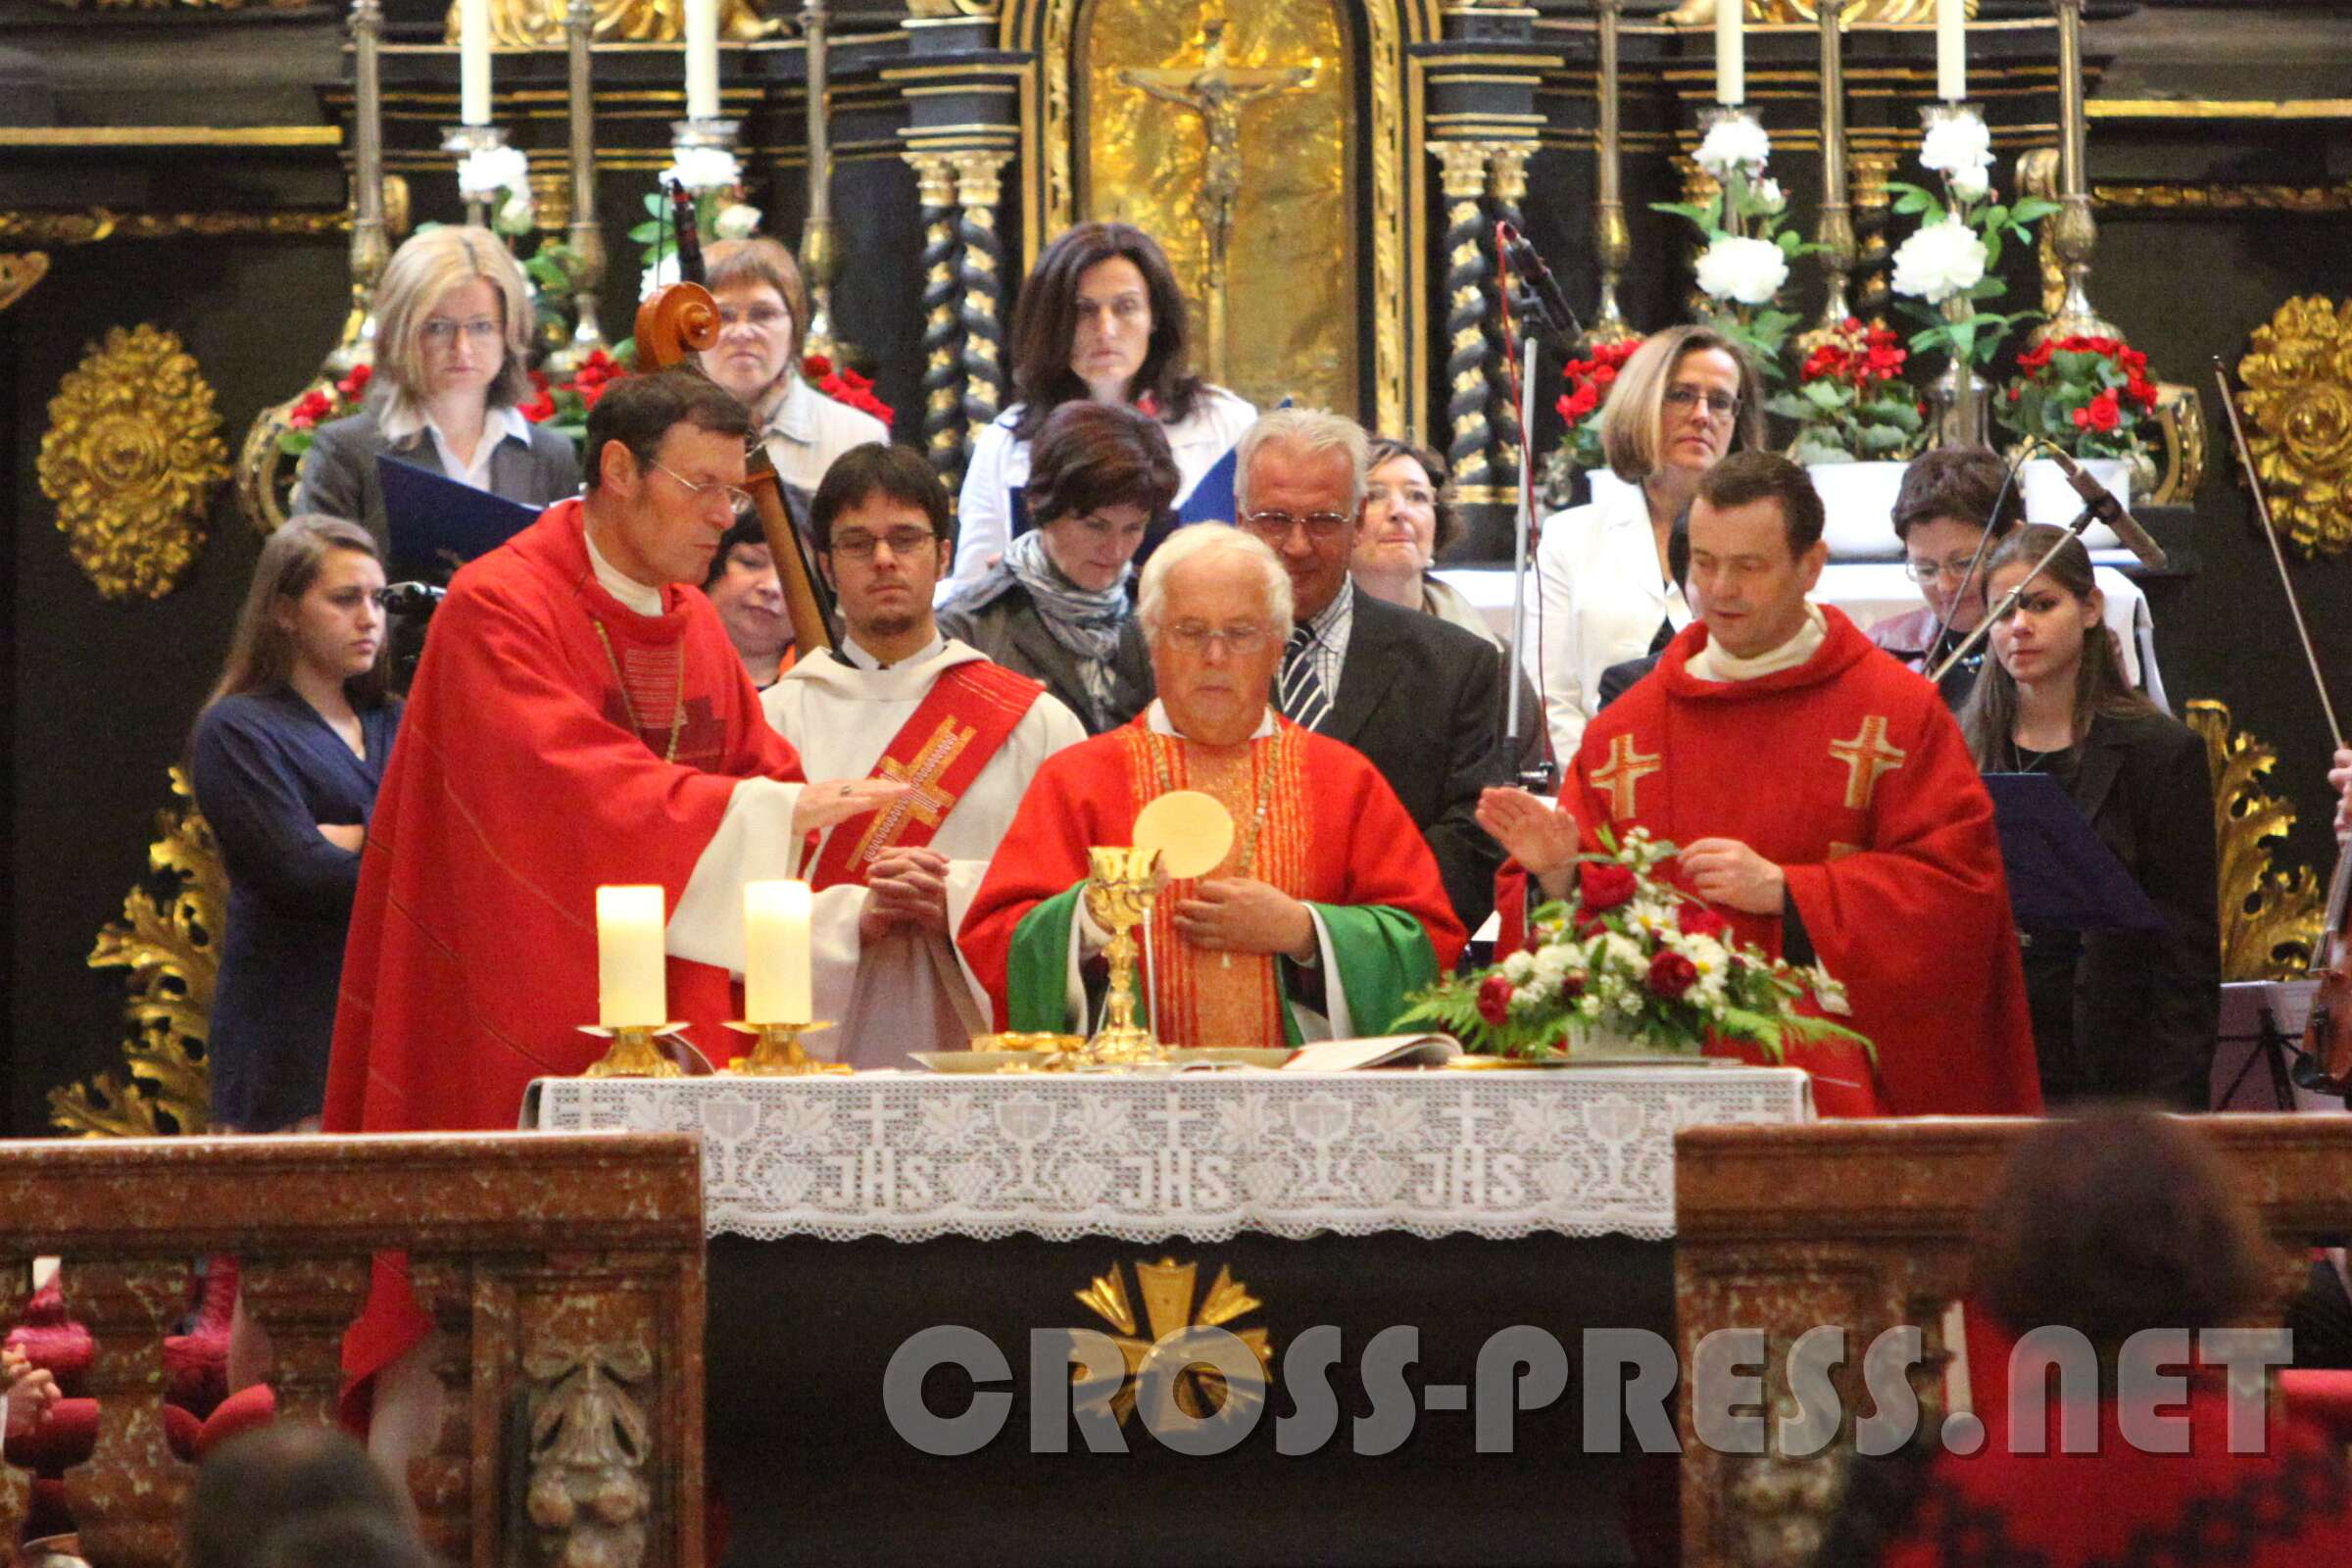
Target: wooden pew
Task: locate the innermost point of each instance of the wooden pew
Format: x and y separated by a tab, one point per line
566	1272
1867	1225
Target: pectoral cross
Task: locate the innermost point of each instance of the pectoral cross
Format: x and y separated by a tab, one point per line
1217	91
1866	756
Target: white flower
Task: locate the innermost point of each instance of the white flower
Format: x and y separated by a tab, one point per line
1551	965
1735	142
1748	270
660	274
1953	145
1969	184
1518	966
1769	192
517	214
1942	259
736	222
700	169
490	172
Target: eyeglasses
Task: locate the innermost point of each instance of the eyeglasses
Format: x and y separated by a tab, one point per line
441	331
1194	637
1277	526
902	542
1402	495
1687	398
763	317
1924	572
738	500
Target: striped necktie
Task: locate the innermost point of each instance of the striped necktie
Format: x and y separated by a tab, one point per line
1305	702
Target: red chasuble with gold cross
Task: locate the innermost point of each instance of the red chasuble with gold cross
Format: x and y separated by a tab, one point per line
1849	772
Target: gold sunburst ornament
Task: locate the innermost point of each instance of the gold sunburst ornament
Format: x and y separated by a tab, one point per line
1166	1287
2298	404
131	458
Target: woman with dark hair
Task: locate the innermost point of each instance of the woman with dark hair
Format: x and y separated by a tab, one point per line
1950	499
742	586
453	325
1408	519
1101	318
1056	607
2100	1229
285	761
2115	1012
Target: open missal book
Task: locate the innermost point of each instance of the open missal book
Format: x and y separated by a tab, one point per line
1377	1050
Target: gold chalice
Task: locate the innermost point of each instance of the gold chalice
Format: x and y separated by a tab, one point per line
1120	885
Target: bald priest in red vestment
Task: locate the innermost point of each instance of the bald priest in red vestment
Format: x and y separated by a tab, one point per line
580	718
1328	908
1824	801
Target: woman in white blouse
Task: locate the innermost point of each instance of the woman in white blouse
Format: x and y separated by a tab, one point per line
1604	591
1101	318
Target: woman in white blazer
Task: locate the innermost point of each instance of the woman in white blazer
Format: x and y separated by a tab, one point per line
1604	593
1101	317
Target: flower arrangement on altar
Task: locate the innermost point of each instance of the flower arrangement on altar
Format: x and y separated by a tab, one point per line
1851	403
1633	962
1588	381
845	385
2090	395
500	179
322	404
714	179
1749	245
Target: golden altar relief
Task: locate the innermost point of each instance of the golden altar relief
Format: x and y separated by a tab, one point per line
1199	122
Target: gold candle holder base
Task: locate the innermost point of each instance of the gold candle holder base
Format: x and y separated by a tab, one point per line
778	1053
635	1054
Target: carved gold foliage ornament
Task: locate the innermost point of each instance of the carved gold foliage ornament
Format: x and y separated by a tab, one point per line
172	947
539	23
17	275
2270	917
1166	1288
131	457
2297	399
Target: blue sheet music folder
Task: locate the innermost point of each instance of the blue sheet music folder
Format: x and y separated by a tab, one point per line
2061	873
438	525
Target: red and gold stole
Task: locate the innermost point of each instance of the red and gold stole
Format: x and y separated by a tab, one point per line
971	710
1225	998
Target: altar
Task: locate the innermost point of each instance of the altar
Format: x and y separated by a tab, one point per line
1408	1229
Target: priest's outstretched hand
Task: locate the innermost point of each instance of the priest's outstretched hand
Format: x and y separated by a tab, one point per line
906	886
1727	872
1543	839
1242	915
837	799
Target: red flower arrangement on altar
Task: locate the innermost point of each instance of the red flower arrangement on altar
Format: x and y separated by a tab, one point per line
565	404
1851	402
2090	395
323	404
1588	381
845	385
1630	963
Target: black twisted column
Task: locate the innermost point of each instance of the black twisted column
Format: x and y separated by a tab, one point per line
1507	187
1469	349
980	277
942	328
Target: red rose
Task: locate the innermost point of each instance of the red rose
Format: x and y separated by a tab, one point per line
1671	974
2014	393
2102	345
1853	323
2133	361
2141	392
1602	885
2080	419
2036	357
1583	400
353	385
2105	413
1697	920
540	408
1606	375
816	366
314	407
1494	1000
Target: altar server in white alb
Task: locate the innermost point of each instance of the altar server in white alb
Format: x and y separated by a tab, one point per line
898	701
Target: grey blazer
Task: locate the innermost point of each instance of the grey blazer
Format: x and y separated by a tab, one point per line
997	618
339	478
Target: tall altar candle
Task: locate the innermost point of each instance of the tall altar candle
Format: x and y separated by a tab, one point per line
701	59
1731	62
473	62
630	980
775	953
1951	50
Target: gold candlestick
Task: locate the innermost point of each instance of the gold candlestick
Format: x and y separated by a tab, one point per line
778	1053
1119	893
635	1054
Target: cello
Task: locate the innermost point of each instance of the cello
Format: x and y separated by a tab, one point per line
2327	1045
682	319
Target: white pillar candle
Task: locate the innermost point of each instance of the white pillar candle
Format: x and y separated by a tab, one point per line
701	59
1731	60
630	979
775	953
1951	50
473	62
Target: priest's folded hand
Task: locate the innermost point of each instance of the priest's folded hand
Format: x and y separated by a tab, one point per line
837	799
908	886
1727	872
1242	915
1542	838
30	1391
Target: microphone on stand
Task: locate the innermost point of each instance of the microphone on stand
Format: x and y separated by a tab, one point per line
1553	320
2101	504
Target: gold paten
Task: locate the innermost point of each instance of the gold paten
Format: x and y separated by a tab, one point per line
171	948
17	275
131	457
539	23
1166	1288
1273	86
1120	886
2270	917
2297	400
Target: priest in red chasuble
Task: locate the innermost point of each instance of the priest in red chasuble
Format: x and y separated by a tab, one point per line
1328	908
1825	802
580	718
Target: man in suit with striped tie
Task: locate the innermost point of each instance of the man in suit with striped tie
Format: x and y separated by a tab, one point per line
1418	697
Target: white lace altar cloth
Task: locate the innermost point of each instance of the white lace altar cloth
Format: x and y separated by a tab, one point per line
1572	1151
